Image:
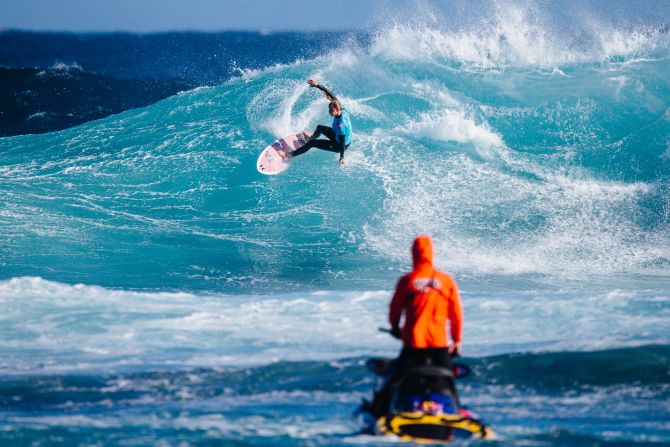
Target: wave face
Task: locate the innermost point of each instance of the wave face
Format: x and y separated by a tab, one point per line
523	157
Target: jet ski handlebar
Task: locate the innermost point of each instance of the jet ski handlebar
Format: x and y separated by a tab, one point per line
394	334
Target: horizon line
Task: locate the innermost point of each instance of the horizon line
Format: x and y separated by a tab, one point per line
261	31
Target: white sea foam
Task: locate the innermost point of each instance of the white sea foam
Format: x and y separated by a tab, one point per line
68	421
53	327
215	423
453	125
273	108
516	34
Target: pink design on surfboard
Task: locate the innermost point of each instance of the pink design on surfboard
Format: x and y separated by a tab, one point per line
270	162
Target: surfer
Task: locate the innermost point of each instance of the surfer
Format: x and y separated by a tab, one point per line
338	135
428	298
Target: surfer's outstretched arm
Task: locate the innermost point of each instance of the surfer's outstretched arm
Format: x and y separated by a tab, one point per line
325	91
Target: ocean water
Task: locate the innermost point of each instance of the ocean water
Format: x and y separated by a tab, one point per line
55	80
156	290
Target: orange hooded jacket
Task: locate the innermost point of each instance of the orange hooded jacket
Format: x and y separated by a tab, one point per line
429	298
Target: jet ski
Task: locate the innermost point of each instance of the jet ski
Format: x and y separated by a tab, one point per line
424	406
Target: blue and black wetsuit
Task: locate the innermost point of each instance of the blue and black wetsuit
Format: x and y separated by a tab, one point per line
338	135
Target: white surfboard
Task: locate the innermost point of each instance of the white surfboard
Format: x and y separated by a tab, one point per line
270	162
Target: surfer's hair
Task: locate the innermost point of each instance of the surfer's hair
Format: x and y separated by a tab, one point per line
334	105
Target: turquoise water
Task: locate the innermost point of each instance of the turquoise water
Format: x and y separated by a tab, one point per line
156	289
546	169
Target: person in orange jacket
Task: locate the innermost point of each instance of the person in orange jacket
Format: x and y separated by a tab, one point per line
429	299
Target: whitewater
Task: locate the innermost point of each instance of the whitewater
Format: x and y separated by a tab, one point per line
156	289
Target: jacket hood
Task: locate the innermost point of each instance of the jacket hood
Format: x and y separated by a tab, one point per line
422	251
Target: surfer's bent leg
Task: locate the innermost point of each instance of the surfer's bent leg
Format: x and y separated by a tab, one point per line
337	146
323	130
327	145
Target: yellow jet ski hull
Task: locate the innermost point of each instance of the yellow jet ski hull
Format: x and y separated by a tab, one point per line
422	427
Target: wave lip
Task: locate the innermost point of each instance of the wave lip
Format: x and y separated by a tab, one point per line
516	36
